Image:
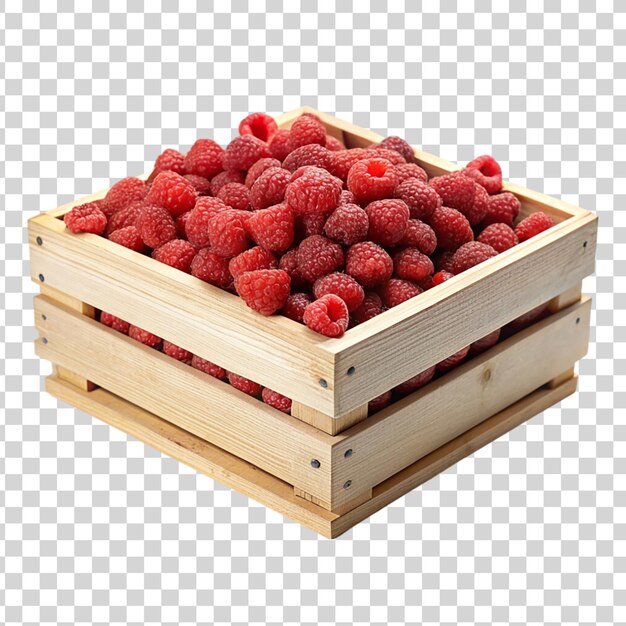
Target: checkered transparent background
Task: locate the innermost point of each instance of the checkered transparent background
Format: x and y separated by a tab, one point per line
96	528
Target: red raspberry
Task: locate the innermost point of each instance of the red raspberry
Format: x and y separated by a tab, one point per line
452	361
408	171
529	318
295	306
443	261
243	152
451	228
348	224
399	145
328	316
207	367
181	225
339	163
503	207
261	125
311	154
534	224
258	168
211	268
369	264
129	237
197	225
499	236
314	191
278	145
156	226
244	384
253	259
334	144
204	158
416	382
421	199
411	264
114	322
177	253
341	285
227	232
486	171
318	256
269	188
200	184
289	263
125	192
173	192
168	160
388	221
346	197
456	191
272	228
371	307
419	235
236	196
486	342
265	291
308	225
143	336
305	130
471	254
277	400
372	179
86	218
223	178
379	152
480	207
379	403
441	277
176	352
396	291
125	217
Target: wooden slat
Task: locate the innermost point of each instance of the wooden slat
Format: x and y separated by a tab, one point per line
330	425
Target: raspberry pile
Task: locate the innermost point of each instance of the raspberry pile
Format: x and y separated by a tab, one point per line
296	223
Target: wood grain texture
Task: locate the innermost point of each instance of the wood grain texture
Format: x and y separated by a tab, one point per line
330	425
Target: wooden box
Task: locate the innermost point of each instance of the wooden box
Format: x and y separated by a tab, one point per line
328	465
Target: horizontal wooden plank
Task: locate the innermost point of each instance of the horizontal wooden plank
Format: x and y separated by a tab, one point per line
418	424
186	397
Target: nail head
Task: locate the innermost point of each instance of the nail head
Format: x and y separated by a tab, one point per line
585	244
351	370
44	317
323	383
42	278
39	241
348	453
44	339
347	484
578	320
315	463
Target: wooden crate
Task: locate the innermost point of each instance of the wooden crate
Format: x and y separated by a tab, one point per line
328	465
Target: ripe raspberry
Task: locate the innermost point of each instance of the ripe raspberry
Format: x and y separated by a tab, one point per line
114	322
416	382
265	291
339	163
253	259
243	152
244	384
269	188
172	192
369	264
168	160
379	403
308	225
129	237
272	228
499	236
200	184
86	218
346	197
311	154
379	152
372	179
486	171
305	130
408	171
486	342
277	400
314	191
371	307
261	125
328	316
452	361
348	224
443	261
143	336
411	264
421	198
197	225
289	263
341	285
176	352
397	144
227	232
396	291
208	368
456	191
534	224
471	254
419	235
451	228
236	196
278	145
334	144
388	221
480	207
258	168
441	277
318	256
211	268
181	225
125	217
125	192
204	158
223	178
528	318
503	207
156	226
177	253
295	306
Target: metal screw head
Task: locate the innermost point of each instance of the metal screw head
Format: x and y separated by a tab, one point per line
42	278
585	244
578	320
348	453
44	339
39	241
351	371
315	463
347	484
323	383
44	317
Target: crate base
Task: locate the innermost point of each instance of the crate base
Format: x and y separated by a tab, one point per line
273	492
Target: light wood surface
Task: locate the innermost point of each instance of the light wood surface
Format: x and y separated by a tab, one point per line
330	425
